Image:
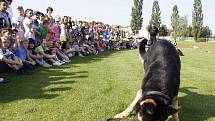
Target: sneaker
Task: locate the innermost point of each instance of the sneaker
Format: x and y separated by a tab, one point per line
62	62
70	55
57	63
3	80
67	61
81	55
46	65
96	52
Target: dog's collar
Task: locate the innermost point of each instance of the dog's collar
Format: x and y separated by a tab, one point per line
150	93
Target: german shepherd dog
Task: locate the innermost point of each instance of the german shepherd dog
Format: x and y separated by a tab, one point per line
157	98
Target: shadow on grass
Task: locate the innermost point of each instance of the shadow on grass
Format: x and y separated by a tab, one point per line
193	107
196	107
46	83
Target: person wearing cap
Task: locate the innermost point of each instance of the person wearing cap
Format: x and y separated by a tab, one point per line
36	18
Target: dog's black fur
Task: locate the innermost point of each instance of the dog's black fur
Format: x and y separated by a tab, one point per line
161	80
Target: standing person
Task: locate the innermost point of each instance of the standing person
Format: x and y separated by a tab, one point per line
49	11
36	17
5	21
9	9
54	30
32	35
42	18
28	20
57	29
64	33
20	19
21	13
153	31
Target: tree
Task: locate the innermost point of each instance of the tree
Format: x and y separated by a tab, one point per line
175	21
197	19
183	26
189	31
163	30
156	13
205	32
136	14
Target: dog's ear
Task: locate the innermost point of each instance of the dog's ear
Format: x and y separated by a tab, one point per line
149	105
171	110
142	49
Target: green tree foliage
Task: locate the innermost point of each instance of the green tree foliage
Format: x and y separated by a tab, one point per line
183	26
197	19
206	32
163	30
189	31
175	22
136	14
156	15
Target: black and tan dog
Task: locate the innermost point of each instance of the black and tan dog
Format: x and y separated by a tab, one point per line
157	98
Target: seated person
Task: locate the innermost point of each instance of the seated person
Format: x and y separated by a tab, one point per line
43	50
23	53
7	57
36	56
60	53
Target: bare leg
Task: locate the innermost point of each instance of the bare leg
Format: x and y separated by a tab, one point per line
128	111
175	116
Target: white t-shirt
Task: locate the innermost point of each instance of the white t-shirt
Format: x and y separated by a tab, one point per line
27	21
30	35
20	18
10	11
63	32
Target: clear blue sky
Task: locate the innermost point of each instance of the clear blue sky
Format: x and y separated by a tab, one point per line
118	11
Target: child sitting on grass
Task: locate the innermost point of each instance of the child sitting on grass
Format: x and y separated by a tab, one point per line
36	56
23	53
8	57
48	57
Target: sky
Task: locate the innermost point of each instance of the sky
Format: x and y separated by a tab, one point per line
118	12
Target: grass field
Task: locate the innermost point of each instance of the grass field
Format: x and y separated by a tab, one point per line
97	87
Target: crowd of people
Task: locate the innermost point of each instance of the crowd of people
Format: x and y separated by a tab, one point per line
41	39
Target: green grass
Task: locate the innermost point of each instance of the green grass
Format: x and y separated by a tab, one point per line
96	88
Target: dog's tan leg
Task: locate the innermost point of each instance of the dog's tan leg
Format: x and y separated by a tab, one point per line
139	117
128	111
175	116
